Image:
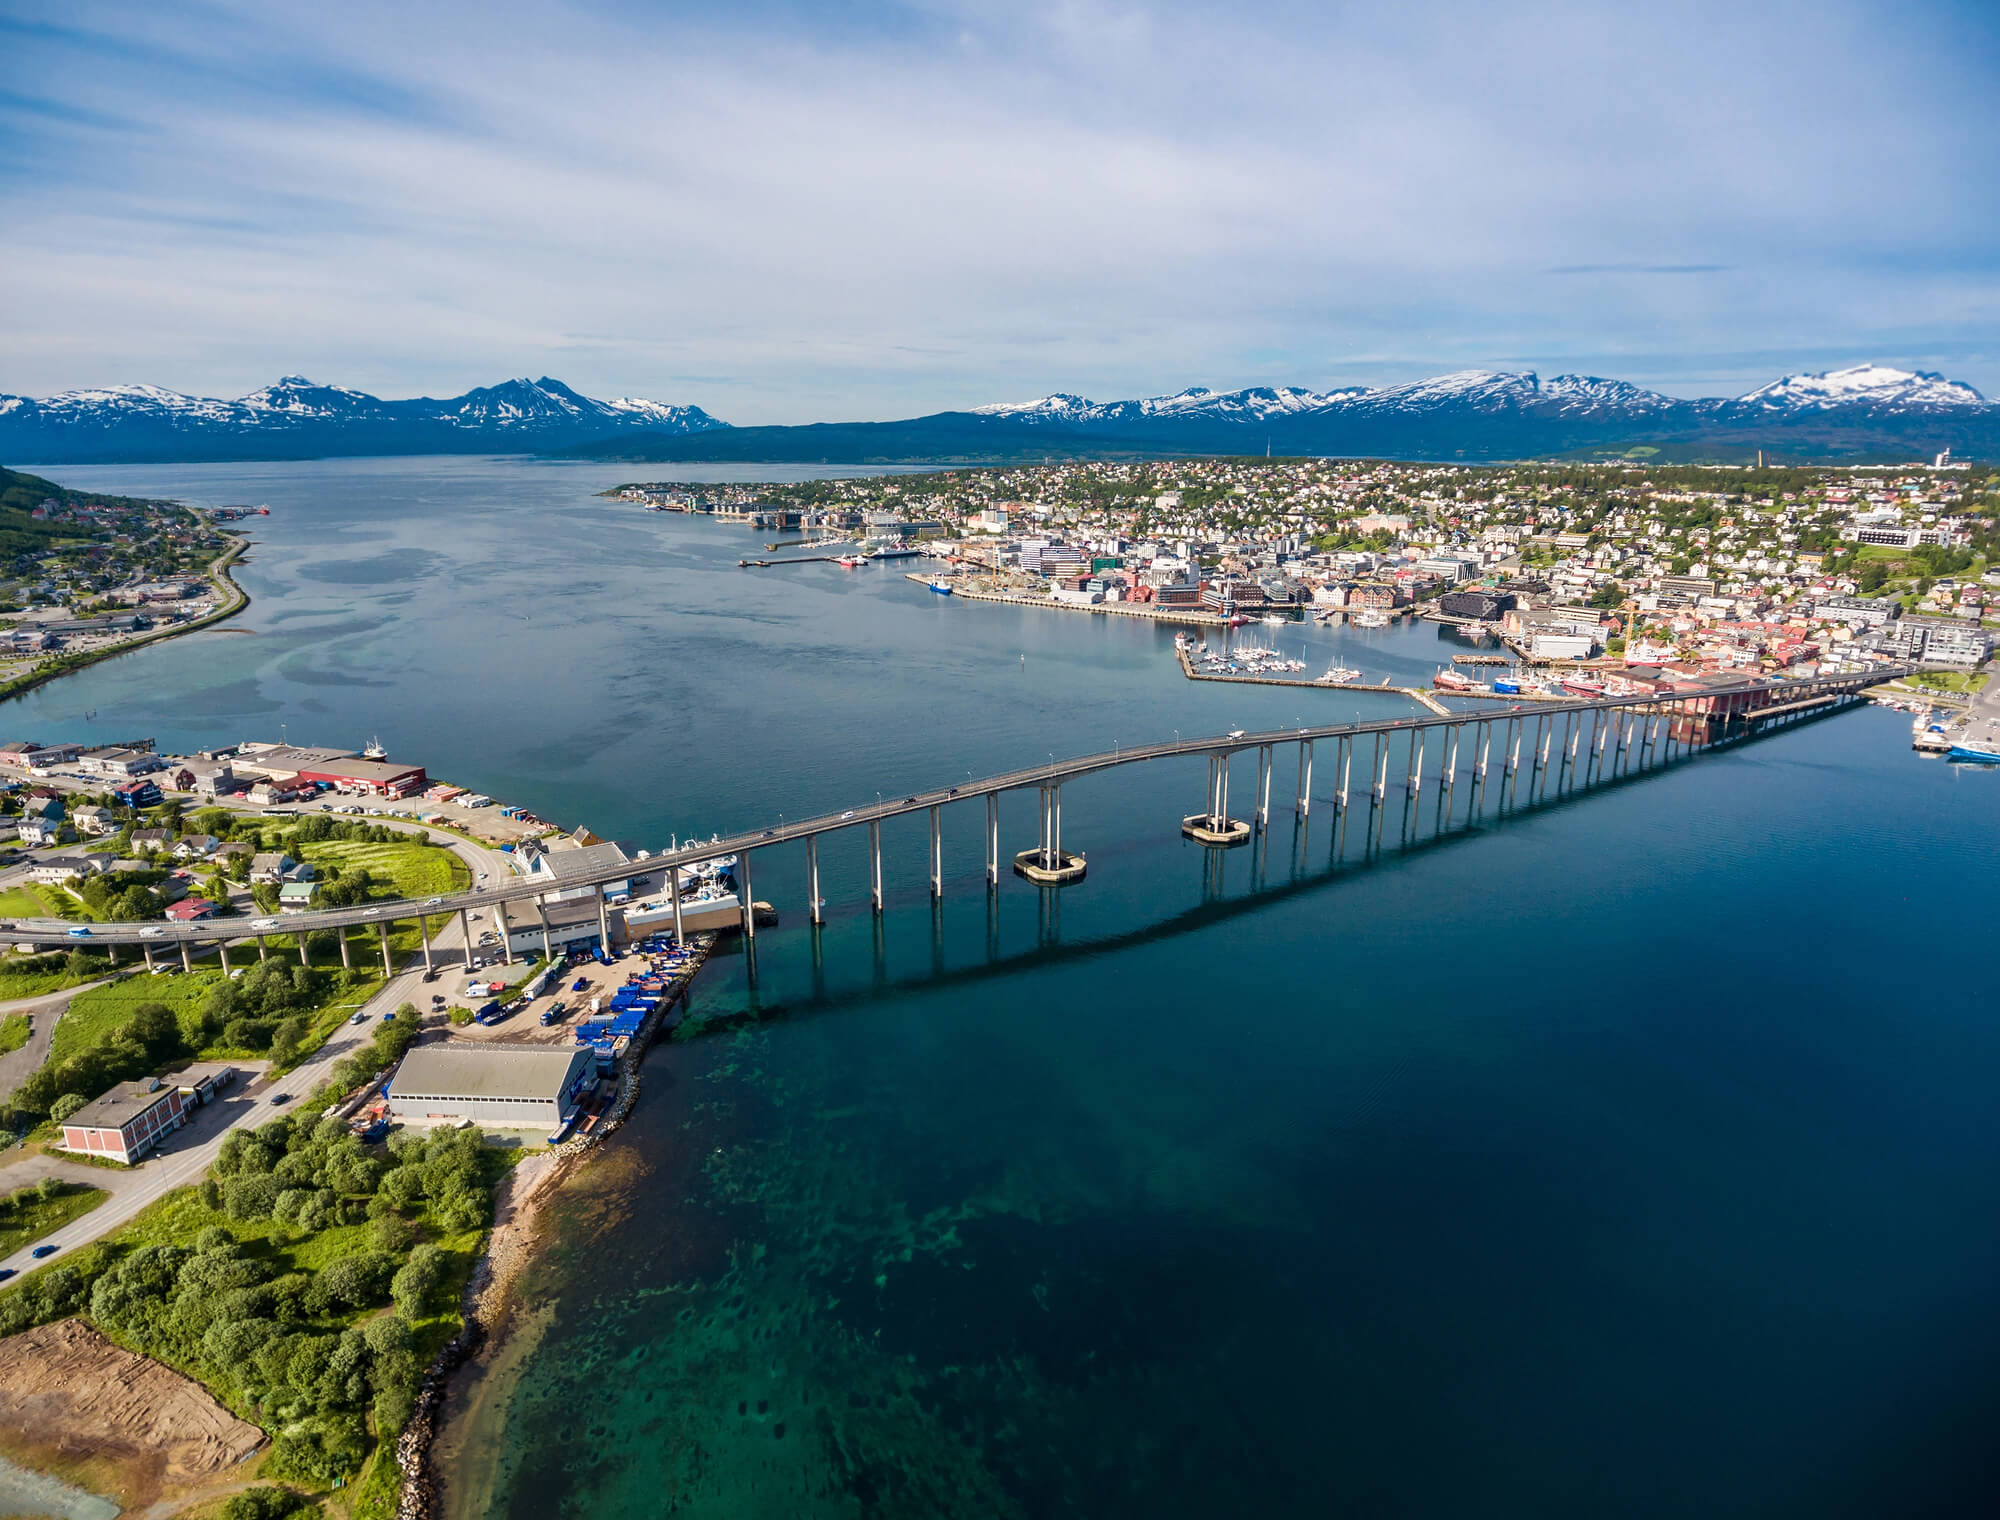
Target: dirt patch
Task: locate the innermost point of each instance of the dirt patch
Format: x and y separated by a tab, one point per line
72	1401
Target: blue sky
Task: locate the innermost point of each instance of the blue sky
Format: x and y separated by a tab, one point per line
792	212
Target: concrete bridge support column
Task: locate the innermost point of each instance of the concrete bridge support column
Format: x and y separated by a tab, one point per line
382	933
1514	751
424	936
875	862
1055	798
1451	757
263	950
465	933
1417	738
1346	754
674	894
1381	787
346	954
1485	749
748	901
305	955
937	855
992	839
1305	778
542	917
222	950
148	949
812	883
603	920
1263	786
187	955
500	924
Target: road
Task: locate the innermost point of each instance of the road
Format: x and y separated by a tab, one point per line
18	1065
188	1151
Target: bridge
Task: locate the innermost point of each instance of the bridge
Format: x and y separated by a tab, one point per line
1571	745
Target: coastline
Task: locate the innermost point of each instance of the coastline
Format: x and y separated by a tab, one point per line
66	665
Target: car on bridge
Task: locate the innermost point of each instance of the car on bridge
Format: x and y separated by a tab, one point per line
78	933
151	931
263	923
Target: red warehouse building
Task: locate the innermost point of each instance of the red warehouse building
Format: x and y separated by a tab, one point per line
126	1122
377	777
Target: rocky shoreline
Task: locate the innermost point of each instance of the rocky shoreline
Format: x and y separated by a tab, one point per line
509	1248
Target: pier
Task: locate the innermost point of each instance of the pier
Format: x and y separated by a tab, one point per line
1415	694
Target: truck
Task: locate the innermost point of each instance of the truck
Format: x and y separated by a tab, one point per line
489	1013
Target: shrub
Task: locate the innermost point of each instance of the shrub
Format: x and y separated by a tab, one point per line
417	1280
251	1196
264	1502
66	1105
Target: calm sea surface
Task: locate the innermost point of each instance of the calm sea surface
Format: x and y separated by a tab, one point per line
1633	1154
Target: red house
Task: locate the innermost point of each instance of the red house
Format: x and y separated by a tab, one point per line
191	910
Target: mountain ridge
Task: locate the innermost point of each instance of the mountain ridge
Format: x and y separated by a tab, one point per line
1863	410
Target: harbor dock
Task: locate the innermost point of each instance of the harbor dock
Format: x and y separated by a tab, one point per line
1415	694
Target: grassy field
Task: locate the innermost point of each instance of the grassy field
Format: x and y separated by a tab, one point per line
24	1221
19	902
95	1015
1950	680
413	869
14	1032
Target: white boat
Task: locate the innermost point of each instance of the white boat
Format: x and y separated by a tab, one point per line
1370	617
1339	675
374	751
1272	620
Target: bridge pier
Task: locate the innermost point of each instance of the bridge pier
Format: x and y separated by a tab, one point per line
263	950
992	839
424	934
542	917
1049	864
382	934
1263	786
346	955
603	924
305	957
673	895
148	950
875	862
1345	754
812	883
222	950
1304	804
500	927
937	855
1417	737
187	956
1215	826
746	901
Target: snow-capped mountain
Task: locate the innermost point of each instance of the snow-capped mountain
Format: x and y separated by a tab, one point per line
1870	385
296	417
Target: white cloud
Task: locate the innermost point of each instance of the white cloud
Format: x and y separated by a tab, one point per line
784	217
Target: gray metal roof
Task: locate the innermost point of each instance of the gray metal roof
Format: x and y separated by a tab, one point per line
473	1069
568	865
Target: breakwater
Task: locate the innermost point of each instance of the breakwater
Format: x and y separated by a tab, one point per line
1142	610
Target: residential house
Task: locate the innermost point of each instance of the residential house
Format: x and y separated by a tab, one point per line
152	841
94	820
192	910
196	847
41	803
270	868
41	831
297	896
137	794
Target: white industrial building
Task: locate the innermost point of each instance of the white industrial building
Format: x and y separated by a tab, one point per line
497	1086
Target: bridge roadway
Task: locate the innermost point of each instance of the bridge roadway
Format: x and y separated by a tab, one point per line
526	889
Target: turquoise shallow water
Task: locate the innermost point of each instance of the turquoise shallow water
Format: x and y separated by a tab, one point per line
1629	1155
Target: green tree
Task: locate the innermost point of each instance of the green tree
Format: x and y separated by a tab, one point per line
66	1105
417	1280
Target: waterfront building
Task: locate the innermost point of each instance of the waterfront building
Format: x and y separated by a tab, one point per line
499	1086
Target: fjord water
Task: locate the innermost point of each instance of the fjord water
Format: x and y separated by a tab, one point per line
1629	1154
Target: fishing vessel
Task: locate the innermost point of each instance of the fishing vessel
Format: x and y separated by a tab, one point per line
1451	680
374	751
849	562
1339	675
1272	620
941	587
1577	686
